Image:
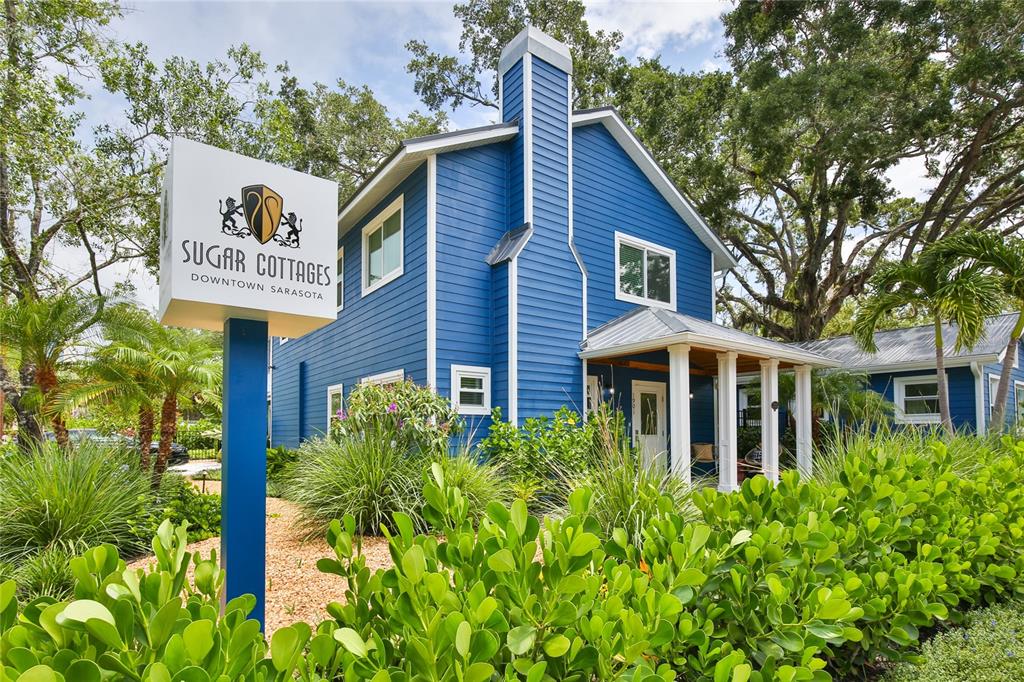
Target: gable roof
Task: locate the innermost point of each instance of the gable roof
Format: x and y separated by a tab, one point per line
914	347
723	259
644	329
407	158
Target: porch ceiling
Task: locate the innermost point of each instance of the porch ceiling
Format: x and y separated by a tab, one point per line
647	329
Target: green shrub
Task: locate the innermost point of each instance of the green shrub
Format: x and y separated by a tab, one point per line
203	434
989	648
153	625
370	477
413	416
482	483
86	496
536	455
183	503
46	574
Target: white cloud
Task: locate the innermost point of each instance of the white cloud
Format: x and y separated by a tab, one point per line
909	178
649	27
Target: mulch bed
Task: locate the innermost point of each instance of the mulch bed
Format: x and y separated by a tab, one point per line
296	590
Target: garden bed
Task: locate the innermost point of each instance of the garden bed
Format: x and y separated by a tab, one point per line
296	591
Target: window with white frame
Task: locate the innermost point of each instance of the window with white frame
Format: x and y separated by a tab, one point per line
917	399
382	247
384	378
993	391
645	273
340	283
593	393
335	402
471	389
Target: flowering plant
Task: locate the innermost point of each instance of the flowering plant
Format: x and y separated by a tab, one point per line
411	415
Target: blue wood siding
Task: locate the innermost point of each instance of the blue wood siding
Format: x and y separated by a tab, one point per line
550	296
511	109
610	193
1016	375
383	331
961	391
499	338
471	218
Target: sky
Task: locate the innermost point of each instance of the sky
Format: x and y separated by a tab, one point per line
363	42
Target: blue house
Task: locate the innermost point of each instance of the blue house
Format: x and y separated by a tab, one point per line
543	261
903	370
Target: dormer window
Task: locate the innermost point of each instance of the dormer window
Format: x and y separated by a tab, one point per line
645	273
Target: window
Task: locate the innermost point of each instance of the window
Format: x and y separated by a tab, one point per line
340	283
593	393
993	390
335	402
917	400
382	248
384	378
645	273
471	389
1018	393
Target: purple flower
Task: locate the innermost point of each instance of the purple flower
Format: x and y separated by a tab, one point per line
341	414
392	408
401	423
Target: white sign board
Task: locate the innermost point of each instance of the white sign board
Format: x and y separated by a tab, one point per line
244	238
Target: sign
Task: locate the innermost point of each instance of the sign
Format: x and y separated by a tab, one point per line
242	238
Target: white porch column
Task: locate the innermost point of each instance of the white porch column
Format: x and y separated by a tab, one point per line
770	419
803	420
679	398
727	475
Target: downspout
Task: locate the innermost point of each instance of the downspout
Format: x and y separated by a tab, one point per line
979	398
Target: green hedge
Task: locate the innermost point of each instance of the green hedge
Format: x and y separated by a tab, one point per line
800	581
989	648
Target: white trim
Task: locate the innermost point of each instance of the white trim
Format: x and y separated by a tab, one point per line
992	390
384	378
660	390
899	385
532	40
722	258
432	271
714	343
333	389
459	371
341	279
1018	386
628	239
513	342
980	418
378	224
528	139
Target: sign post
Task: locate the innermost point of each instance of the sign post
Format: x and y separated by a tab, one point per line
249	248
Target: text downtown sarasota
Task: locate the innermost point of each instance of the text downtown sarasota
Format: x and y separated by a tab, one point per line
234	259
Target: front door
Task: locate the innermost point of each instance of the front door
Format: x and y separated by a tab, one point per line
649	434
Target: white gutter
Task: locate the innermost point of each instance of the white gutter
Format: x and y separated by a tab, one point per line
713	343
961	361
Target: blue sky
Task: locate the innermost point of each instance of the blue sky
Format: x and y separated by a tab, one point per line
363	42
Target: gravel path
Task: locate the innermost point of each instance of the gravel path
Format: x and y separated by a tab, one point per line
296	590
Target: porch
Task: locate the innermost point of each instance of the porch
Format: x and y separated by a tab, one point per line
675	377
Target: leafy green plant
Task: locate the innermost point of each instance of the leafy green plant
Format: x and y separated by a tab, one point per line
153	625
84	496
45	574
481	483
366	476
183	503
413	416
988	648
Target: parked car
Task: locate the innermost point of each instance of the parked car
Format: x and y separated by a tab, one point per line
179	453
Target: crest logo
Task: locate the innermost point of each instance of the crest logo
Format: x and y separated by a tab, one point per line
263	210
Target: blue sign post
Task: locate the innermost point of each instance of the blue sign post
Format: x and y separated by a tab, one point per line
243	501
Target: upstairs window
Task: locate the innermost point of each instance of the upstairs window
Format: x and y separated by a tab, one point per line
382	248
645	273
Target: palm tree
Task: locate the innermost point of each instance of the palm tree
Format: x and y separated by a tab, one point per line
942	288
178	364
39	335
1004	257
